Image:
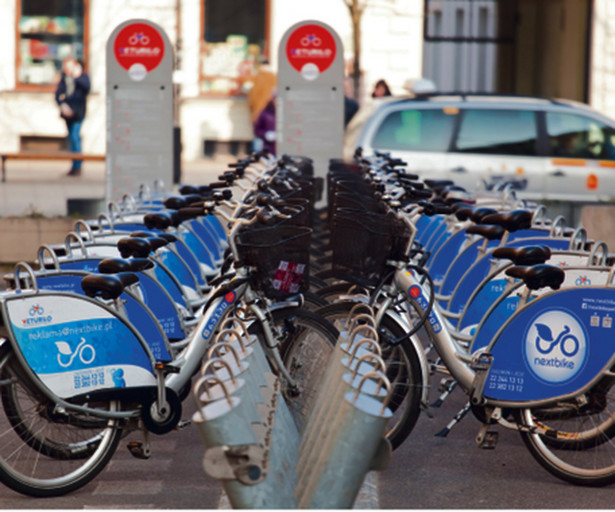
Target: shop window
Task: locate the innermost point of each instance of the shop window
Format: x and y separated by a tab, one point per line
234	43
48	32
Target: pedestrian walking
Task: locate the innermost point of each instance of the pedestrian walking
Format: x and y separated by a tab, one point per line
259	96
264	126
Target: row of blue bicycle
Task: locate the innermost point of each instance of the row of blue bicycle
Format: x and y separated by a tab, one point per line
102	336
510	306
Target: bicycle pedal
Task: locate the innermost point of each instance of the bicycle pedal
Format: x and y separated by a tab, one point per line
138	451
489	440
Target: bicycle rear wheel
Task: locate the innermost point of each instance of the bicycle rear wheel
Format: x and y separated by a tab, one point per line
575	444
45	451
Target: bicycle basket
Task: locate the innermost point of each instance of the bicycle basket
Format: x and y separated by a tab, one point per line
361	202
362	243
280	255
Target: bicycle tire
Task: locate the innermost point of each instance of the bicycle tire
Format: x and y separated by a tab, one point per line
587	433
60	456
572	452
403	370
306	343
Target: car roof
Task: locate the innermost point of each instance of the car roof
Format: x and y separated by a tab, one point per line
462	98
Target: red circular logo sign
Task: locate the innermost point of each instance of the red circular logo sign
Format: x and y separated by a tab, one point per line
140	44
312	46
415	291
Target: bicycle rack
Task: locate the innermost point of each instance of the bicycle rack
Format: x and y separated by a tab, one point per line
252	443
356	441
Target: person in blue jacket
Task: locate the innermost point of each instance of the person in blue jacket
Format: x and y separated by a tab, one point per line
71	95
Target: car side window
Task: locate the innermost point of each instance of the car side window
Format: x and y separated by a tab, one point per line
577	136
501	132
415	130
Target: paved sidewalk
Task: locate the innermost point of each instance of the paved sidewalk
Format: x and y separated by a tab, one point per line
42	188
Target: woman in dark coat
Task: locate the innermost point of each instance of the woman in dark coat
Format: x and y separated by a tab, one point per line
71	95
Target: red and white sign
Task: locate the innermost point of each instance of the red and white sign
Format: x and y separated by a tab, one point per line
138	48
288	277
311	50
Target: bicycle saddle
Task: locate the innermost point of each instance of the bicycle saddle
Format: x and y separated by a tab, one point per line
478	214
462	211
149	236
529	255
433	208
412	194
538	276
488	231
117	265
138	247
188	190
140	264
410	179
175	203
511	221
169	237
157	221
107	286
438	184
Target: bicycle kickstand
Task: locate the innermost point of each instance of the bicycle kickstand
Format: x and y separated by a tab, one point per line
456	419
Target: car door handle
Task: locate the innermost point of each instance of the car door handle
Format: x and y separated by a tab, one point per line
459	169
559	173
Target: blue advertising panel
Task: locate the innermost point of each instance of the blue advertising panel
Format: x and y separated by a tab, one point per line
554	346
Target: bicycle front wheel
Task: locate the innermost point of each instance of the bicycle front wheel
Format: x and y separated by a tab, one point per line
45	451
574	444
306	346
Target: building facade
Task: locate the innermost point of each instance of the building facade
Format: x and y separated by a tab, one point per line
219	45
539	47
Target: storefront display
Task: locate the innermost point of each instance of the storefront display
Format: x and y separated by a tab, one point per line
48	32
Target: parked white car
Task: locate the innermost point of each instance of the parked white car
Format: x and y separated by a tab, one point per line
552	149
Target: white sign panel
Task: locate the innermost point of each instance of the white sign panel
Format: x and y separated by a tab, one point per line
139	108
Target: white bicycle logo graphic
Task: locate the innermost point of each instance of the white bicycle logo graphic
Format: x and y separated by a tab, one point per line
85	352
138	38
311	40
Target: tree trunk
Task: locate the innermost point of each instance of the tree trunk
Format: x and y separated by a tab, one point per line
356	13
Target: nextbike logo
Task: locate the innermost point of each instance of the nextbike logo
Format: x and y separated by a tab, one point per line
555	346
218	313
36	316
66	355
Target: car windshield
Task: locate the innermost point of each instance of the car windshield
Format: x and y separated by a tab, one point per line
416	130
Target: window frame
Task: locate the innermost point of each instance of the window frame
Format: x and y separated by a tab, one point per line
266	52
48	87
